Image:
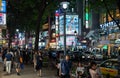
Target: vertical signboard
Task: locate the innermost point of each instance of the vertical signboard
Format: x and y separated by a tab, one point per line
57	27
3	13
3	6
86	14
0	3
2	19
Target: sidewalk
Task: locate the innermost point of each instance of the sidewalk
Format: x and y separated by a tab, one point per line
29	73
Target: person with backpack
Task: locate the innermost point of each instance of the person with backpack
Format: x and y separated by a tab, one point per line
8	62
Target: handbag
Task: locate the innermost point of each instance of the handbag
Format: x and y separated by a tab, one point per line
21	60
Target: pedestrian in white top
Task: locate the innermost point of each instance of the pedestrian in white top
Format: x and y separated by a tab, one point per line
80	70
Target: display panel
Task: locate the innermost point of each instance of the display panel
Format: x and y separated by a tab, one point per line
2	19
71	24
3	6
70	40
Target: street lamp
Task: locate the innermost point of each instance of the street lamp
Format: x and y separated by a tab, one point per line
64	6
17	31
75	32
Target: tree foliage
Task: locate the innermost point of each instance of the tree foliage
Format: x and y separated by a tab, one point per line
106	6
29	15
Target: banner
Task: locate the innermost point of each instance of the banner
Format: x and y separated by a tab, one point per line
2	19
3	6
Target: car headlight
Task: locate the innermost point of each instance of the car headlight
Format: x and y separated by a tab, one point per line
88	56
83	56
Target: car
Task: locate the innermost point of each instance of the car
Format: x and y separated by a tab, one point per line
89	55
114	54
98	56
76	56
110	68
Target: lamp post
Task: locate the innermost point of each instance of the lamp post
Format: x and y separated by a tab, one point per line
17	31
75	32
64	6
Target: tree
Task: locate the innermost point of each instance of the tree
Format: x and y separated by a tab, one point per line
29	15
47	8
106	5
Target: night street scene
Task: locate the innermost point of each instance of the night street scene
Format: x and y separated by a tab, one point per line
59	38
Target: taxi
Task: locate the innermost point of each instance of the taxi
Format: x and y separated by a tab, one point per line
110	68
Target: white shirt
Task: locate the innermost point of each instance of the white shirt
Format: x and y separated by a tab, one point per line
81	69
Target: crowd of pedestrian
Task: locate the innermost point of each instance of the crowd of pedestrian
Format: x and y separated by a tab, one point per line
82	71
17	58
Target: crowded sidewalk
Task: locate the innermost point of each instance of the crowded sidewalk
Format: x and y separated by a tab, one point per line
28	72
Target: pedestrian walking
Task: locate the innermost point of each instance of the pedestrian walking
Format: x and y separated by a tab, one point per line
65	67
26	57
39	64
80	70
4	52
35	60
17	62
94	70
58	67
8	62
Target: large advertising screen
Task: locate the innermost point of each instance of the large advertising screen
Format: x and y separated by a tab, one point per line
3	6
70	40
72	22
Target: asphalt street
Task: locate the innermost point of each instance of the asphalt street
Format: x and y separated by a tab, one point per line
28	72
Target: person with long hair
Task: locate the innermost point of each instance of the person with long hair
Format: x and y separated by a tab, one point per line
94	72
35	59
17	62
39	64
80	70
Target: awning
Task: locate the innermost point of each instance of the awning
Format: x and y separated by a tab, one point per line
90	34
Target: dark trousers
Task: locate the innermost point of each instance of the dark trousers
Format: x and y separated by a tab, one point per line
57	72
65	76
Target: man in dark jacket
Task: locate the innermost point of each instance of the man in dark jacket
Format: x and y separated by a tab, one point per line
65	67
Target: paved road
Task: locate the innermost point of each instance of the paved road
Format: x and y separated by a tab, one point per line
29	73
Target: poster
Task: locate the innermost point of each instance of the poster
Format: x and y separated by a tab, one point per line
72	22
2	19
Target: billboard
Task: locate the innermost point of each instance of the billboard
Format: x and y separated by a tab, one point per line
3	7
70	40
72	22
2	19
